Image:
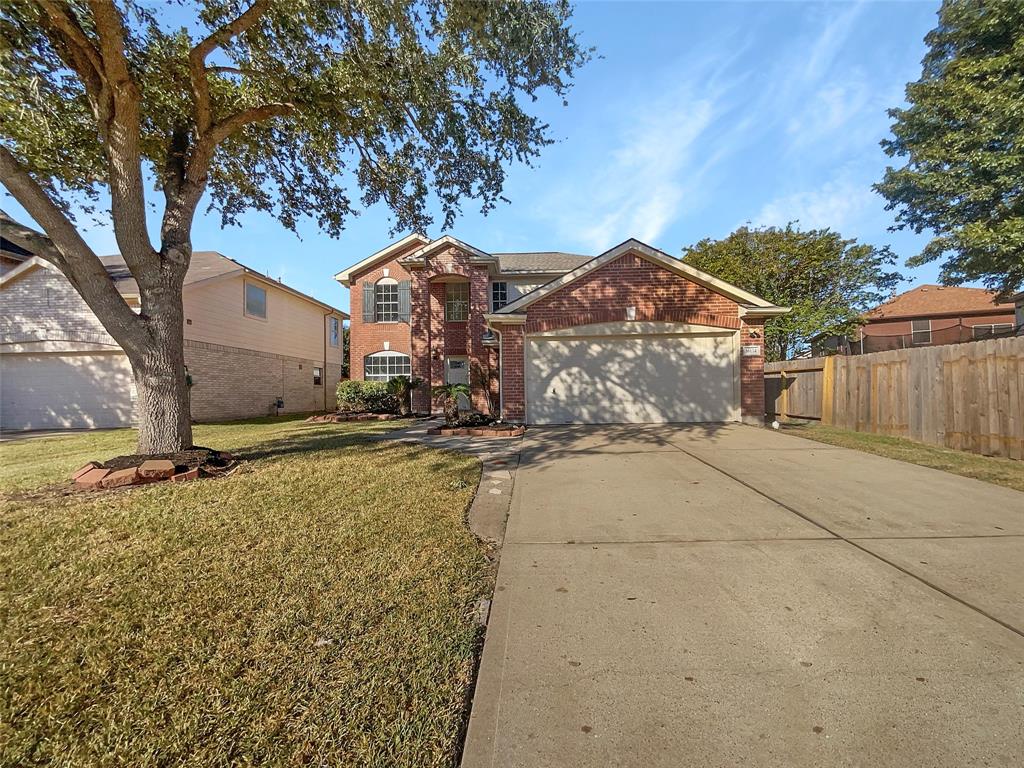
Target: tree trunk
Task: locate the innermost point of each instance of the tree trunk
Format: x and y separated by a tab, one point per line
165	424
451	410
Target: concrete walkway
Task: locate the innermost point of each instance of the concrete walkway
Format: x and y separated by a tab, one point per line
725	595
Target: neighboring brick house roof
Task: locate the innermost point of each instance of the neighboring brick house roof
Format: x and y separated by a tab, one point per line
938	300
542	262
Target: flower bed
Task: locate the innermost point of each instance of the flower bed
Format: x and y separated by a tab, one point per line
337	418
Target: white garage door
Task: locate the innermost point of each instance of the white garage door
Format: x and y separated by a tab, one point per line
78	391
632	379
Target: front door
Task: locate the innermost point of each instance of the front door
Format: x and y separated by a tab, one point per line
456	371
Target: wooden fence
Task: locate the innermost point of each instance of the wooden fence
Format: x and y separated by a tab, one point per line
964	396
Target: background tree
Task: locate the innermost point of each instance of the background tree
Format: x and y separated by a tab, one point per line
963	140
267	105
827	280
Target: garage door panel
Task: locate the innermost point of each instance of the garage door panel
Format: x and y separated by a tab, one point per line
642	379
79	391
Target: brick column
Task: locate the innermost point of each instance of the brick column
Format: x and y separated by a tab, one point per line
478	306
421	339
513	383
752	373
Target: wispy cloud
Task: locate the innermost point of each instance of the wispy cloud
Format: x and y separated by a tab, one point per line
653	167
829	42
841	204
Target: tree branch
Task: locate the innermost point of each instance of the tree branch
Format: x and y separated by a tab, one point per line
121	144
79	53
202	49
65	248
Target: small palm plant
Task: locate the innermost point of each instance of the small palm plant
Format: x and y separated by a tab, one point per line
449	396
401	387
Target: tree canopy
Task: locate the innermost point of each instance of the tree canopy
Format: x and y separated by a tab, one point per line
962	137
289	103
828	280
291	107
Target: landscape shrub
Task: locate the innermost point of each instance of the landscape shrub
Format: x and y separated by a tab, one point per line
372	396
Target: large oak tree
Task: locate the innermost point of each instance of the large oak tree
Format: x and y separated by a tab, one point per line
827	279
961	139
269	105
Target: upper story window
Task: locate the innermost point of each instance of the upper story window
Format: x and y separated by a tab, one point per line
255	301
995	329
499	296
334	332
385	301
456	301
921	331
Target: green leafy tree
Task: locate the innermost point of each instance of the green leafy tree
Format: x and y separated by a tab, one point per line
827	280
963	141
276	106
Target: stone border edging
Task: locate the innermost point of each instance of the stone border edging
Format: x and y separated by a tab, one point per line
476	432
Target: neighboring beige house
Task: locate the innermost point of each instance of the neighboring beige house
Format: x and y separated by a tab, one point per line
250	341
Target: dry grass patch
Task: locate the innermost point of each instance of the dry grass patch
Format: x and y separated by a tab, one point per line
1006	472
313	609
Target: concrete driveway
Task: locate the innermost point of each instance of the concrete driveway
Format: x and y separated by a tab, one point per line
726	595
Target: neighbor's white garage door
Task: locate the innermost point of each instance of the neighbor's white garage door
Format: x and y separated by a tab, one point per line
631	379
65	391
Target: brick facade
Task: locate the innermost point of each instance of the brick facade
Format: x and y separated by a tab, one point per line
601	296
657	294
232	383
367	338
435	338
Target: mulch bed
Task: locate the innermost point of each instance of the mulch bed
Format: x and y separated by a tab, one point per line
197	457
142	469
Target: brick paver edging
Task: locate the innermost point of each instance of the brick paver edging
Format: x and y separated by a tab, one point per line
476	432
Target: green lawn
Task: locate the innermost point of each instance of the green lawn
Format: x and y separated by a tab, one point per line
1008	472
315	608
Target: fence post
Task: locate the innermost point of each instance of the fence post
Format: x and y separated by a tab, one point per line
827	387
784	392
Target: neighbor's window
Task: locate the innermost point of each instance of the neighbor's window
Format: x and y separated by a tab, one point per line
385	301
255	301
335	331
499	296
456	301
921	331
318	377
982	331
384	366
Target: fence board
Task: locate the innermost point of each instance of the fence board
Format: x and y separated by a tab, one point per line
963	396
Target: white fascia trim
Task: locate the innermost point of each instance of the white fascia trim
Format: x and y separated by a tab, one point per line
343	276
770	311
451	241
651	254
497	317
23	268
635	328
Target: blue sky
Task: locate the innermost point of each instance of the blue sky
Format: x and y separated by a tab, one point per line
698	118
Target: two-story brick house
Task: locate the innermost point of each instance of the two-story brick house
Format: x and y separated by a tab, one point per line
630	336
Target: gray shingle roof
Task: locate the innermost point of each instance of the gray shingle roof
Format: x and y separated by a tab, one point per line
544	262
